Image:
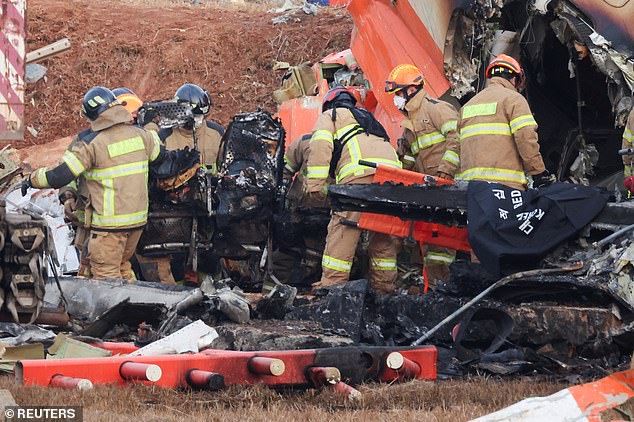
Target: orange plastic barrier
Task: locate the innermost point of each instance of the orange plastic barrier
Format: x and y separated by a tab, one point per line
224	367
425	233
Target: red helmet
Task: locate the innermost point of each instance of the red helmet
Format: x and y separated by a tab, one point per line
338	95
504	64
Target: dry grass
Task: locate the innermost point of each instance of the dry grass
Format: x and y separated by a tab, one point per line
421	401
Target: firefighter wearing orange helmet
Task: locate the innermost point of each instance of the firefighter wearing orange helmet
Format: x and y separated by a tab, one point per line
342	136
498	134
429	144
429	136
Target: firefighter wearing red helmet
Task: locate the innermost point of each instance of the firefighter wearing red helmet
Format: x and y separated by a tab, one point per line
342	136
497	131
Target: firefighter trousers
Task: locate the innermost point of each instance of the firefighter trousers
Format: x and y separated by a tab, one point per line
341	245
437	262
110	253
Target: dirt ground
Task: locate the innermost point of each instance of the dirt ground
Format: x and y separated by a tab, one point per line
420	401
154	46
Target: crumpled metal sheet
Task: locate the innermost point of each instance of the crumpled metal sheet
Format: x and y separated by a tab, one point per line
87	299
580	403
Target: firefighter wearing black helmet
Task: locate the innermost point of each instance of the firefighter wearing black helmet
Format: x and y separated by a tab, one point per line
209	133
113	158
349	134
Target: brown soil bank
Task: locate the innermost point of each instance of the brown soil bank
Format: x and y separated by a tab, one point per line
152	50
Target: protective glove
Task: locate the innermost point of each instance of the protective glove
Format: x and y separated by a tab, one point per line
543	179
443	175
25	185
629	183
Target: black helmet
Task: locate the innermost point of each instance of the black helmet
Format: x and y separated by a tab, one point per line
121	91
197	97
338	96
97	100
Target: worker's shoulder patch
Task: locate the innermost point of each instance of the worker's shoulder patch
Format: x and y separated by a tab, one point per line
306	137
87	135
165	133
215	126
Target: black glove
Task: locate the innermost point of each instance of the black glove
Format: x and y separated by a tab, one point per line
543	180
25	185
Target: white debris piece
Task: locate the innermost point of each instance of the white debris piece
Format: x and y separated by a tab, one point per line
190	339
45	202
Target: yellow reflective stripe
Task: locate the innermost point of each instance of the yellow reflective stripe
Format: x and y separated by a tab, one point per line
317	172
126	146
73	163
487	109
409	158
342	132
450	125
628	171
359	170
627	135
485	129
81	215
433	138
439	258
383	264
494	174
139	167
336	264
39	179
452	157
108	196
156	150
210	169
289	165
119	220
322	135
415	148
522	121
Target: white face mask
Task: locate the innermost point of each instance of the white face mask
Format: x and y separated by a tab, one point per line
399	102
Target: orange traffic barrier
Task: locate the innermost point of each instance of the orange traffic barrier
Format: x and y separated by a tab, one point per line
205	379
236	367
69	383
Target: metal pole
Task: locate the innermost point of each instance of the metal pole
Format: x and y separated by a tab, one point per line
488	290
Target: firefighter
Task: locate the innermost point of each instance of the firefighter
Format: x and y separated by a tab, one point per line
628	140
131	102
342	136
429	144
113	157
209	134
498	134
429	133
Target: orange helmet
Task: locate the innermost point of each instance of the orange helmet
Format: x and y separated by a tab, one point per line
504	64
402	76
128	100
